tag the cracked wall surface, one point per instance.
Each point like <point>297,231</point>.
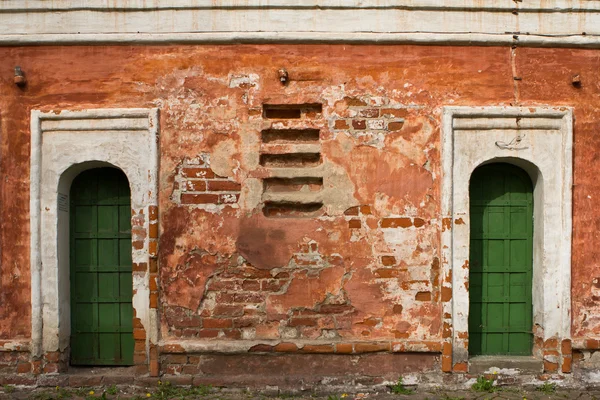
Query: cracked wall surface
<point>361,275</point>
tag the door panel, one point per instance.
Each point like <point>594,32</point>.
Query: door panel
<point>101,280</point>
<point>501,214</point>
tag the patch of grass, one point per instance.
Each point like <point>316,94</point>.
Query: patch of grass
<point>167,391</point>
<point>484,385</point>
<point>547,388</point>
<point>8,388</point>
<point>62,393</point>
<point>399,388</point>
<point>45,395</point>
<point>112,389</point>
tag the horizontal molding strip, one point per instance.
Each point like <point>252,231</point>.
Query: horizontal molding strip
<point>120,5</point>
<point>571,41</point>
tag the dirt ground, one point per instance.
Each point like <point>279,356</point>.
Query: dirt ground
<point>165,391</point>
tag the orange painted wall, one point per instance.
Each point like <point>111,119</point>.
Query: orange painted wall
<point>347,287</point>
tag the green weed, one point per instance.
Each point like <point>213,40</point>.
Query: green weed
<point>399,388</point>
<point>484,385</point>
<point>547,388</point>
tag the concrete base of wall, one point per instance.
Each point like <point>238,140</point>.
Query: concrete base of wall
<point>505,365</point>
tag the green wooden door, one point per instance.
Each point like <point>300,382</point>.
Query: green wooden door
<point>101,279</point>
<point>500,314</point>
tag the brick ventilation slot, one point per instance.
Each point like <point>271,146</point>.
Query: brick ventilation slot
<point>291,111</point>
<point>292,210</point>
<point>283,136</point>
<point>293,160</point>
<point>277,185</point>
<point>293,150</point>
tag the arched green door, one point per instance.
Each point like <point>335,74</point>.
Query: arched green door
<point>101,279</point>
<point>500,265</point>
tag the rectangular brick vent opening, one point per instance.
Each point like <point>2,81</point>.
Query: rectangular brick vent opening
<point>278,185</point>
<point>292,210</point>
<point>291,111</point>
<point>290,160</point>
<point>290,136</point>
<point>292,191</point>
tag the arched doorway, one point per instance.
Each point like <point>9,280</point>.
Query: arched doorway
<point>100,269</point>
<point>500,261</point>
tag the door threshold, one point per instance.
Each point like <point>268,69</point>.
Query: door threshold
<point>505,364</point>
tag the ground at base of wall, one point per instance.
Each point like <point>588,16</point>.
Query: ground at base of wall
<point>205,392</point>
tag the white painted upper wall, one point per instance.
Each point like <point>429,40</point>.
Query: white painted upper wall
<point>534,22</point>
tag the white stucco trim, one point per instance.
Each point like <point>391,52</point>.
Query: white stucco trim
<point>63,144</point>
<point>469,137</point>
<point>436,38</point>
<point>494,22</point>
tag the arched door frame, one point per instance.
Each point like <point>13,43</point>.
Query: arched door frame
<point>539,140</point>
<point>63,144</point>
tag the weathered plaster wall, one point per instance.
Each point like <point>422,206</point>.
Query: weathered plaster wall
<point>364,275</point>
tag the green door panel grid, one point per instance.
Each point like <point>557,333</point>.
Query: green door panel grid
<point>101,276</point>
<point>500,261</point>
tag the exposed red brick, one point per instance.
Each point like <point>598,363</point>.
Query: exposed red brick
<point>201,198</point>
<point>423,296</point>
<point>206,333</point>
<point>228,198</point>
<point>446,294</point>
<point>368,113</point>
<point>216,323</point>
<point>551,343</point>
<point>172,348</point>
<point>354,224</point>
<point>261,348</point>
<point>251,285</point>
<point>228,310</point>
<point>461,367</point>
<point>153,265</point>
<point>352,211</point>
<point>195,185</point>
<point>371,347</point>
<point>550,366</point>
<point>365,210</point>
<point>303,322</point>
<point>335,308</point>
<point>387,273</point>
<point>286,348</point>
<point>317,348</point>
<point>340,124</point>
<point>397,309</point>
<point>395,126</point>
<point>139,334</point>
<point>396,223</point>
<point>394,112</point>
<point>566,365</point>
<point>224,186</point>
<point>388,260</point>
<point>23,367</point>
<point>139,267</point>
<point>446,364</point>
<point>193,172</point>
<point>418,222</point>
<point>565,347</point>
<point>359,124</point>
<point>344,348</point>
<point>153,213</point>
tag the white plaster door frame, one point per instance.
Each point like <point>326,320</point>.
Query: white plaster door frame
<point>473,136</point>
<point>63,144</point>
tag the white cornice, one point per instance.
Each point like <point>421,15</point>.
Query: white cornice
<point>572,23</point>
